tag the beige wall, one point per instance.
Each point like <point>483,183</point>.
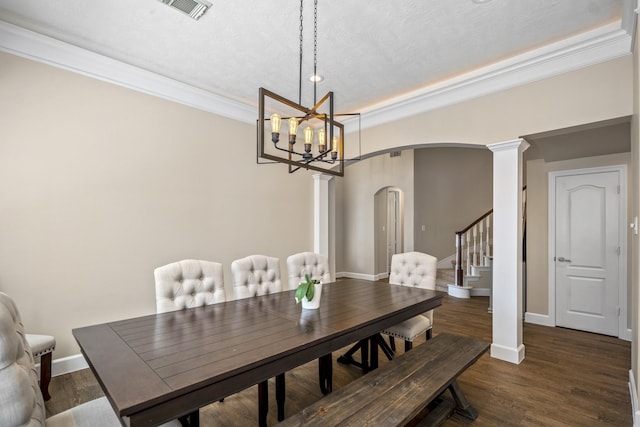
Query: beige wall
<point>356,253</point>
<point>453,188</point>
<point>100,184</point>
<point>537,220</point>
<point>587,95</point>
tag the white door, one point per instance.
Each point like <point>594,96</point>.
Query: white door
<point>587,251</point>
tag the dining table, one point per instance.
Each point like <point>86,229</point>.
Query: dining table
<point>164,366</point>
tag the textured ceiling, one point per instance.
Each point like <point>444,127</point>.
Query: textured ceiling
<point>370,52</point>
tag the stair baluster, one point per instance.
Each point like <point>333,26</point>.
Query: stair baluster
<point>464,257</point>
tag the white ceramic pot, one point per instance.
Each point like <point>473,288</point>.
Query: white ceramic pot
<point>315,301</point>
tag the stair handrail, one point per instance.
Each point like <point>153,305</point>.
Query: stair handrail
<point>459,271</point>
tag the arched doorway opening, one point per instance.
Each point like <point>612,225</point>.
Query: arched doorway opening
<point>389,227</point>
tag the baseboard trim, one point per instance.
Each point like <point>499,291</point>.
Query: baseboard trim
<point>66,365</point>
<point>372,277</point>
<point>508,354</point>
<point>538,319</point>
<point>480,292</point>
<point>633,393</point>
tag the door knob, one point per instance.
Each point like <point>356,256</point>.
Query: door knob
<point>563,259</point>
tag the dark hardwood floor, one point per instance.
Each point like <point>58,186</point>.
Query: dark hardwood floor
<point>568,378</point>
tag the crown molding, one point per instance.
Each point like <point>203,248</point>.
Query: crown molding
<point>31,45</point>
<point>599,45</point>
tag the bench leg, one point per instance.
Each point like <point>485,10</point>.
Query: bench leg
<point>325,373</point>
<point>280,394</point>
<point>263,403</point>
<point>463,407</point>
<point>45,375</point>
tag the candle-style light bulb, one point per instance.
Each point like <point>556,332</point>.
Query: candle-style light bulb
<point>293,130</point>
<point>308,135</point>
<point>322,146</point>
<point>275,123</point>
<point>334,148</point>
<point>275,127</point>
<point>308,138</point>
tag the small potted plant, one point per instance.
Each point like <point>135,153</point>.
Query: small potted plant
<point>309,292</point>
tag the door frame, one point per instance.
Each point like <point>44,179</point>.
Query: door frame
<point>623,331</point>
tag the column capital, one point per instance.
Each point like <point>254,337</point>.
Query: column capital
<point>519,143</point>
<point>322,177</point>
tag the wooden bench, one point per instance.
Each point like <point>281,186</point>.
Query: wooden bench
<point>396,393</point>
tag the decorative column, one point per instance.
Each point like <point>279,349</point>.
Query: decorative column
<point>324,219</point>
<point>507,250</point>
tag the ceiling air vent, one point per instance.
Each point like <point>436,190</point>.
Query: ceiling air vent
<point>395,154</point>
<point>193,8</point>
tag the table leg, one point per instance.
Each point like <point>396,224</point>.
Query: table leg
<point>280,395</point>
<point>191,420</point>
<point>373,362</point>
<point>325,373</point>
<point>263,403</point>
<point>364,355</point>
<point>348,359</point>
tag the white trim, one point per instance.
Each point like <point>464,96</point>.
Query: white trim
<point>538,319</point>
<point>599,45</point>
<point>31,45</point>
<point>463,292</point>
<point>590,48</point>
<point>362,276</point>
<point>513,355</point>
<point>67,365</point>
<point>480,292</point>
<point>633,392</point>
<point>623,331</point>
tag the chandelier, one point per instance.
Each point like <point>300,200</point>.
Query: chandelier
<point>322,148</point>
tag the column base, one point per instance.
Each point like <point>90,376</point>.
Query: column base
<point>460,291</point>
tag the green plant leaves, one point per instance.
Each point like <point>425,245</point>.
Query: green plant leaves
<point>306,289</point>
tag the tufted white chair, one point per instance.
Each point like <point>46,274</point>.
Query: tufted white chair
<point>188,283</point>
<point>255,275</point>
<point>419,270</point>
<point>21,402</point>
<point>316,265</point>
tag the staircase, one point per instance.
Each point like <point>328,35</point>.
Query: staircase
<point>472,265</point>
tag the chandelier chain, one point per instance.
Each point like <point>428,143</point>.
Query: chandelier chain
<point>300,71</point>
<point>315,48</point>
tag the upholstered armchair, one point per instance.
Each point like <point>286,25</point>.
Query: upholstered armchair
<point>256,275</point>
<point>21,402</point>
<point>303,263</point>
<point>188,283</point>
<point>419,270</point>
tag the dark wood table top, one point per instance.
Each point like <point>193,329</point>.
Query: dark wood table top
<point>158,367</point>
